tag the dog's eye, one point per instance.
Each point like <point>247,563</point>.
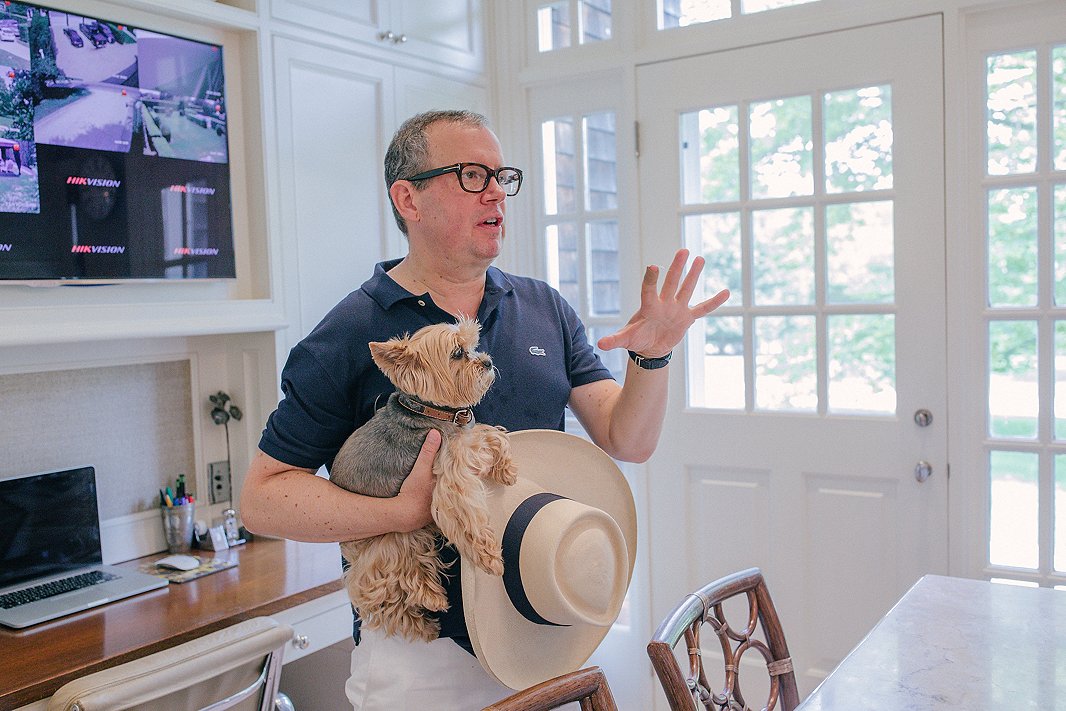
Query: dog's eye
<point>458,353</point>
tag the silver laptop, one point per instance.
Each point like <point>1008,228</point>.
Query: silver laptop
<point>50,555</point>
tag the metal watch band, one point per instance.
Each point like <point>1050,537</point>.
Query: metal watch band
<point>650,363</point>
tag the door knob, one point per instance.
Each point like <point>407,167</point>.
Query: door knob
<point>923,470</point>
<point>923,418</point>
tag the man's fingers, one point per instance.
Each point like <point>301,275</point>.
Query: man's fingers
<point>431,443</point>
<point>703,308</point>
<point>673,274</point>
<point>691,279</point>
<point>647,287</point>
<point>429,450</point>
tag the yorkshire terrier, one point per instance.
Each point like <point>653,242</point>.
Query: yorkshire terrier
<point>394,580</point>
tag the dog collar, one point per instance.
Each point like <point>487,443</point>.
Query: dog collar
<point>462,416</point>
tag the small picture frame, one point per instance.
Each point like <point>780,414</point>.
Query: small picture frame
<point>218,540</point>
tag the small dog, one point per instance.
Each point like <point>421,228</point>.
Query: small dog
<point>394,578</point>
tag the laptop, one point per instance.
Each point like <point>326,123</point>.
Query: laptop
<point>51,563</point>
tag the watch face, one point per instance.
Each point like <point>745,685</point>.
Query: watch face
<point>97,202</point>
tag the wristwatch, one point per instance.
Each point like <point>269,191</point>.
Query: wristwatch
<point>650,363</point>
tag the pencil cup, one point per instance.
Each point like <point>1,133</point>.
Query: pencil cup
<point>178,526</point>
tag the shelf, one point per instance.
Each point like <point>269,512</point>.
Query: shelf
<point>95,322</point>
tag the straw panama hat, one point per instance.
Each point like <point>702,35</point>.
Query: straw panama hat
<point>571,524</point>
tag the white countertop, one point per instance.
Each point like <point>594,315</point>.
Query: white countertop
<point>954,643</point>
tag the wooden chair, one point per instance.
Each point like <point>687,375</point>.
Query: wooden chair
<point>587,686</point>
<point>686,693</point>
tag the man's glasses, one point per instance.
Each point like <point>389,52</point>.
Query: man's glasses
<point>474,177</point>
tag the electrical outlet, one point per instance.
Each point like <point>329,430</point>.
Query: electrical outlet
<point>220,481</point>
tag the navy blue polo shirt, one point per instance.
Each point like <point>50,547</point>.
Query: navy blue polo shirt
<point>331,385</point>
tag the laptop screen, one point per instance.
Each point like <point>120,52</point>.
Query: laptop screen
<point>52,524</point>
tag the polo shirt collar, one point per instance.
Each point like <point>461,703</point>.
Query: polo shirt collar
<point>387,293</point>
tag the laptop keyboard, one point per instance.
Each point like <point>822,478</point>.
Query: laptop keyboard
<point>56,587</point>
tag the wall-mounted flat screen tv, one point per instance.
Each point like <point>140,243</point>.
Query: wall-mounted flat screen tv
<point>114,155</point>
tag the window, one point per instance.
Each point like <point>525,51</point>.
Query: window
<point>579,155</point>
<point>1025,322</point>
<point>681,13</point>
<point>556,29</point>
<point>790,202</point>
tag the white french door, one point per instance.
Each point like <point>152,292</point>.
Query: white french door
<point>805,411</point>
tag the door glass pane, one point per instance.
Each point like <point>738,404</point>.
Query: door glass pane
<point>783,256</point>
<point>1058,88</point>
<point>781,148</point>
<point>862,363</point>
<point>785,367</point>
<point>1012,247</point>
<point>553,26</point>
<point>724,363</point>
<point>1014,510</point>
<point>1060,380</point>
<point>560,173</point>
<point>603,267</point>
<point>769,257</point>
<point>860,255</point>
<point>710,155</point>
<point>563,265</point>
<point>600,161</point>
<point>1060,512</point>
<point>717,237</point>
<point>595,20</point>
<point>1059,219</point>
<point>858,140</point>
<point>1013,395</point>
<point>1011,112</point>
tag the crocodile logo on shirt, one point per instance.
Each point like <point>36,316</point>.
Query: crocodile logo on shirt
<point>537,351</point>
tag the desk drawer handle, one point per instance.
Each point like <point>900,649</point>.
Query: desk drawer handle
<point>301,641</point>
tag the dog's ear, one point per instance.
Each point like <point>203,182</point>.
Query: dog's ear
<point>391,355</point>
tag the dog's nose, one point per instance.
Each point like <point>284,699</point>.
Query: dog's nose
<point>486,361</point>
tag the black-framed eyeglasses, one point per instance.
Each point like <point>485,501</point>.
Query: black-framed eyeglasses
<point>474,177</point>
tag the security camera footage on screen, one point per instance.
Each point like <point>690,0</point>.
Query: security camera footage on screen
<point>113,151</point>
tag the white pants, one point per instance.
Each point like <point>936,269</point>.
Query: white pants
<point>392,674</point>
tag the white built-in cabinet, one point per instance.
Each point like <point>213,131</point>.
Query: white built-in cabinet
<point>446,32</point>
<point>337,110</point>
<point>314,95</point>
<point>315,89</point>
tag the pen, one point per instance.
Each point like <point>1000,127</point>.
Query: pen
<point>169,501</point>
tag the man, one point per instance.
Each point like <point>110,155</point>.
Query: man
<point>448,184</point>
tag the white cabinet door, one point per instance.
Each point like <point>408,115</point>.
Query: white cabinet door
<point>335,117</point>
<point>810,174</point>
<point>442,31</point>
<point>336,113</point>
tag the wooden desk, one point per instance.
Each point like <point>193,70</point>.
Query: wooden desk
<point>957,644</point>
<point>272,577</point>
